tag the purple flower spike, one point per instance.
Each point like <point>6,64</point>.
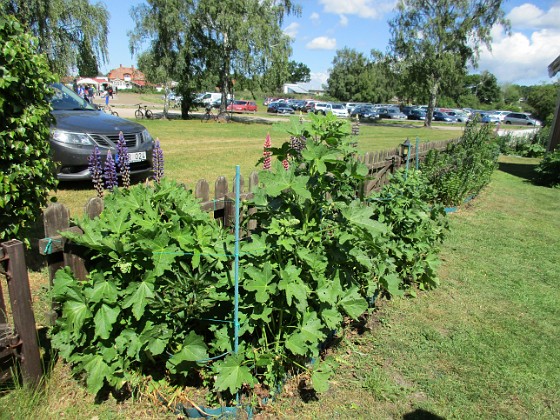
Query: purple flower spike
<point>122,160</point>
<point>111,180</point>
<point>94,161</point>
<point>158,161</point>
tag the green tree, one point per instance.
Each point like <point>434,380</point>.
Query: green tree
<point>355,77</point>
<point>211,42</point>
<point>488,90</point>
<point>86,61</point>
<point>511,94</point>
<point>26,166</point>
<point>299,72</point>
<point>61,27</point>
<point>437,38</point>
<point>542,99</point>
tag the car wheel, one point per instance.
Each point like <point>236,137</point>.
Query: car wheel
<point>508,122</point>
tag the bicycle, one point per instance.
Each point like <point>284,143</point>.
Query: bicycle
<point>222,116</point>
<point>140,113</point>
<point>108,109</point>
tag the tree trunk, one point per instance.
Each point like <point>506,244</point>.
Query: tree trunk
<point>431,104</point>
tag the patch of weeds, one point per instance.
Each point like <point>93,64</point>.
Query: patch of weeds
<point>382,387</point>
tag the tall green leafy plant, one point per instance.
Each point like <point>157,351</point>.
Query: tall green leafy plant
<point>464,168</point>
<point>27,172</point>
<point>158,269</point>
<point>308,265</point>
<point>416,229</point>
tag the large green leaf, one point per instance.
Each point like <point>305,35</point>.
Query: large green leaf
<point>262,282</point>
<point>104,319</point>
<point>97,371</point>
<point>76,312</point>
<point>193,351</point>
<point>139,293</point>
<point>293,286</point>
<point>353,303</point>
<point>231,374</point>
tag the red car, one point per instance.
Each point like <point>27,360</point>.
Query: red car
<point>242,106</point>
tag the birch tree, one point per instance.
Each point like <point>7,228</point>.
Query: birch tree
<point>436,39</point>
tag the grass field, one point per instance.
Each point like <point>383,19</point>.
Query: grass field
<point>194,150</point>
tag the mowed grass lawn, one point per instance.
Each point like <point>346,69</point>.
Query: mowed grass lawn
<point>195,150</point>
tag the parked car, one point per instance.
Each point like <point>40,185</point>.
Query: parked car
<point>322,108</point>
<point>339,110</point>
<point>519,118</point>
<point>279,108</point>
<point>417,114</point>
<point>392,113</point>
<point>242,106</point>
<point>489,119</point>
<point>442,116</point>
<point>365,113</point>
<point>79,127</point>
<point>459,116</point>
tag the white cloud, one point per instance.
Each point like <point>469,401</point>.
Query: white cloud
<point>292,29</point>
<point>343,20</point>
<point>322,43</point>
<point>521,57</point>
<point>371,9</point>
<point>315,18</point>
<point>318,79</point>
<point>530,16</point>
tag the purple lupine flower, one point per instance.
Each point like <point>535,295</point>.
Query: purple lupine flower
<point>123,163</point>
<point>267,153</point>
<point>111,180</point>
<point>96,171</point>
<point>157,159</point>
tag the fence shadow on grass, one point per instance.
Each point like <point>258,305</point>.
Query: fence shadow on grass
<point>521,170</point>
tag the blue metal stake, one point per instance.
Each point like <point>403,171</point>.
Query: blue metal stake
<point>417,152</point>
<point>236,264</point>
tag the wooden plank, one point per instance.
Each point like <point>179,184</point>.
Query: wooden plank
<point>94,207</point>
<point>22,310</point>
<point>202,190</point>
<point>56,217</point>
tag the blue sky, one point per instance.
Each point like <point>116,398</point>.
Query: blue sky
<point>326,26</point>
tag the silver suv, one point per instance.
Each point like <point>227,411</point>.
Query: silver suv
<point>519,118</point>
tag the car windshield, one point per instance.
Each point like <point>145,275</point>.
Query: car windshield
<point>64,99</point>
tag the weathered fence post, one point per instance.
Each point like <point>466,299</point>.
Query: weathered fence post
<point>13,255</point>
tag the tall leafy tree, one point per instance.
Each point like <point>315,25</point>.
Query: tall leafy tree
<point>86,61</point>
<point>437,38</point>
<point>299,72</point>
<point>355,77</point>
<point>213,42</point>
<point>62,27</point>
<point>542,99</point>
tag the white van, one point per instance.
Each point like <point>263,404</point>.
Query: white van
<point>209,97</point>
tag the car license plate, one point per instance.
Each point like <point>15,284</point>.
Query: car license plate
<point>136,157</point>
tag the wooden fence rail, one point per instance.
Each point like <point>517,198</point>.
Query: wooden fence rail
<point>18,343</point>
